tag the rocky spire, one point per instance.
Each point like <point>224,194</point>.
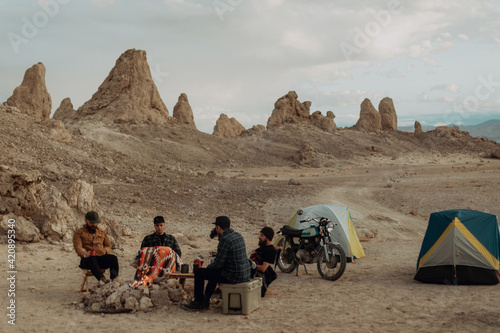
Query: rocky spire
<point>65,110</point>
<point>183,113</point>
<point>418,128</point>
<point>31,96</point>
<point>389,118</point>
<point>369,118</point>
<point>128,94</point>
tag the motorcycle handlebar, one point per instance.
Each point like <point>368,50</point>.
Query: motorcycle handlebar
<point>321,219</point>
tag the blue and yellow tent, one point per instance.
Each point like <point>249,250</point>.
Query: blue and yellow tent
<point>460,247</point>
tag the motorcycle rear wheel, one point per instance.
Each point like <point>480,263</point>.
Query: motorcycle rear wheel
<point>286,260</point>
<point>333,268</point>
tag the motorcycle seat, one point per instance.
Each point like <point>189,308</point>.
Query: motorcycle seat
<point>291,231</point>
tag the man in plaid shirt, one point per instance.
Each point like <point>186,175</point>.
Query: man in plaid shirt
<point>231,265</point>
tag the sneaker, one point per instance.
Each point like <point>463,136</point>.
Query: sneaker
<point>194,305</point>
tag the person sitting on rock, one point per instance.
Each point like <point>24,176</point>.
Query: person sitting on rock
<point>158,238</point>
<point>264,256</point>
<point>92,244</point>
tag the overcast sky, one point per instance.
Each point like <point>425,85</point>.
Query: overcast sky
<point>438,60</point>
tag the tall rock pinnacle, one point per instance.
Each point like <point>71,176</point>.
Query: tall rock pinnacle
<point>183,112</point>
<point>128,94</point>
<point>31,96</point>
<point>369,118</point>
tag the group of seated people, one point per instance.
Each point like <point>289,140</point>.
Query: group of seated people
<point>160,255</point>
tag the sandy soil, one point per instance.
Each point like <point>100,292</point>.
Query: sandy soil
<point>390,202</point>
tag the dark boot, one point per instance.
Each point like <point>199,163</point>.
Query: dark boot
<point>194,305</point>
<point>206,302</point>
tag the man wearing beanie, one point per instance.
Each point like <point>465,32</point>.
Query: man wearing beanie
<point>231,265</point>
<point>264,257</point>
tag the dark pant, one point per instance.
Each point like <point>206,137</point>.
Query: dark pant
<point>96,263</point>
<point>213,276</point>
<point>267,278</point>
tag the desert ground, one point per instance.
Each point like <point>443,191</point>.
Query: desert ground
<point>390,204</point>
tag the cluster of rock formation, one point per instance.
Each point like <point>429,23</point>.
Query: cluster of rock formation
<point>129,94</point>
<point>371,120</point>
<point>40,210</point>
<point>288,109</point>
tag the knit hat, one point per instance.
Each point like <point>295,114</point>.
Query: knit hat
<point>268,232</point>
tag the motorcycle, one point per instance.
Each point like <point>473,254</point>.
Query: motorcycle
<point>315,245</point>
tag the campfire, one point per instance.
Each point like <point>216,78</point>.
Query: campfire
<point>146,281</point>
<point>142,295</point>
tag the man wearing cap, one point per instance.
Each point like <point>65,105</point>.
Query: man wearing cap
<point>264,257</point>
<point>92,244</point>
<point>231,265</point>
<point>158,238</point>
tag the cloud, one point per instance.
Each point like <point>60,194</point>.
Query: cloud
<point>301,41</point>
<point>446,99</point>
<point>451,87</point>
<point>423,97</point>
<point>463,37</point>
<point>430,62</point>
<point>101,3</point>
<point>344,98</point>
<point>392,73</point>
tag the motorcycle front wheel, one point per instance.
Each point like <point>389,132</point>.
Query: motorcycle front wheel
<point>286,259</point>
<point>333,267</point>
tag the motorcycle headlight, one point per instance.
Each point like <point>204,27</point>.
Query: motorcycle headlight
<point>329,227</point>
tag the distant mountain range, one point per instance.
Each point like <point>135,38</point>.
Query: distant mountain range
<point>489,129</point>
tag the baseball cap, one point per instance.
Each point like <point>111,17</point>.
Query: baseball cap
<point>92,217</point>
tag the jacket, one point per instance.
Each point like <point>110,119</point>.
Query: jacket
<point>231,258</point>
<point>84,241</point>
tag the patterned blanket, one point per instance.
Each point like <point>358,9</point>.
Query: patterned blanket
<point>156,261</point>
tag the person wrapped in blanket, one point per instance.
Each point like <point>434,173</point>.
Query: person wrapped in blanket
<point>157,238</point>
<point>155,262</point>
<point>264,256</point>
<point>159,253</point>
